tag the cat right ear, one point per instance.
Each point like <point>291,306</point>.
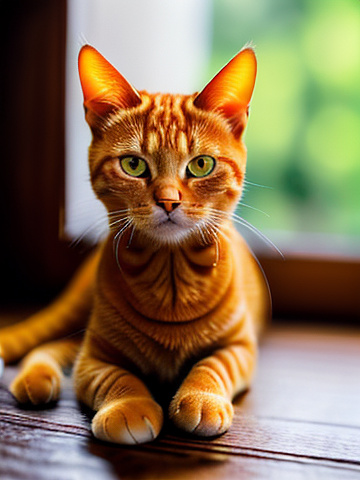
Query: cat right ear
<point>105,89</point>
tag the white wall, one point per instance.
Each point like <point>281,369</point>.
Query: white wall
<point>158,45</point>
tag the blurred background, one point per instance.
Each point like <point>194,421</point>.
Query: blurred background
<point>303,137</point>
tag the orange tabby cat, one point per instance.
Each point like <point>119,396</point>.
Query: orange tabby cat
<point>173,300</point>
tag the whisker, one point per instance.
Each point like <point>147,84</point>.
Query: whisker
<point>117,212</point>
<point>116,222</point>
<point>217,245</point>
<point>131,236</point>
<point>86,232</point>
<point>241,221</point>
<point>198,227</point>
<point>253,208</point>
<point>257,185</point>
<point>218,229</point>
<point>122,229</point>
<point>251,227</point>
<point>116,241</point>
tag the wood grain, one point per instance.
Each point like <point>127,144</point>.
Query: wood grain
<point>300,420</point>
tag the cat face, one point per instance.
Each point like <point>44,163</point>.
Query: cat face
<point>169,166</point>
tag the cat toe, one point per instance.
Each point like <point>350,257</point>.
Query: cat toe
<point>201,413</point>
<point>128,421</point>
<point>37,385</point>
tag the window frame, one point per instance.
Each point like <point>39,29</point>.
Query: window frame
<point>305,285</point>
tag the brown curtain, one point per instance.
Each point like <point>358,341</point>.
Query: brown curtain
<point>35,263</point>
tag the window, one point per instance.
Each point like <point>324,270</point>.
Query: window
<point>303,137</point>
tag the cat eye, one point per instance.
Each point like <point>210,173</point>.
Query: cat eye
<point>135,166</point>
<point>200,166</point>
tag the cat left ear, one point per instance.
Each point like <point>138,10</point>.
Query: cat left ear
<point>230,91</point>
<point>104,88</point>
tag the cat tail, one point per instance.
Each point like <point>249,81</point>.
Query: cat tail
<point>67,315</point>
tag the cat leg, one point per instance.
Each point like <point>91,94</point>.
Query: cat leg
<point>40,377</point>
<point>68,314</point>
<point>202,405</point>
<point>126,411</point>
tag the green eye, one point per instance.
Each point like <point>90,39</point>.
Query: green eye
<point>134,166</point>
<point>200,166</point>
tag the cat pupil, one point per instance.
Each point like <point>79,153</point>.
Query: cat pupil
<point>134,163</point>
<point>201,163</point>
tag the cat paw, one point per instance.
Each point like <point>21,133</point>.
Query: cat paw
<point>128,421</point>
<point>37,384</point>
<point>201,413</point>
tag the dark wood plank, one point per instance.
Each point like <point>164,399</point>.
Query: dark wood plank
<point>40,454</point>
<point>300,419</point>
<point>308,373</point>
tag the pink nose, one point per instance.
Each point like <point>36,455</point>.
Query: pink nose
<point>168,198</point>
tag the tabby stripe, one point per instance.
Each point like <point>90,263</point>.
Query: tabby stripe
<point>238,173</point>
<point>245,361</point>
<point>217,381</point>
<point>101,384</point>
<point>228,370</point>
<point>228,359</point>
<point>217,367</point>
<point>166,123</point>
<point>95,172</point>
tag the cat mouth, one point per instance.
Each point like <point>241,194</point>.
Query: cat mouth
<point>171,228</point>
<point>168,223</point>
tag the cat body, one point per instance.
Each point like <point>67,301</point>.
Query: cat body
<point>173,300</point>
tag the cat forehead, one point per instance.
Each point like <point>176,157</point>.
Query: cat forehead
<point>166,124</point>
<point>163,122</point>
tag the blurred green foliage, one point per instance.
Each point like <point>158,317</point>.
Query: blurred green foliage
<point>303,137</point>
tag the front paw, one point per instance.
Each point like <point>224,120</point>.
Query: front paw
<point>37,384</point>
<point>201,413</point>
<point>128,421</point>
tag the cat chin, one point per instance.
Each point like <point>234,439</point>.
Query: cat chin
<point>170,235</point>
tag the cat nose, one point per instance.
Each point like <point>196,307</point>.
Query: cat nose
<point>167,205</point>
<point>168,198</point>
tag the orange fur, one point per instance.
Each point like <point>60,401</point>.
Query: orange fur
<point>177,298</point>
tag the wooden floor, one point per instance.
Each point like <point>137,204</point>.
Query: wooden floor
<point>300,420</point>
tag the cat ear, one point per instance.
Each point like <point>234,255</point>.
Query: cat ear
<point>104,88</point>
<point>230,91</point>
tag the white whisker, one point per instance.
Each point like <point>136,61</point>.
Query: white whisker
<point>253,208</point>
<point>257,185</point>
<point>213,229</point>
<point>217,227</point>
<point>131,236</point>
<point>87,231</point>
<point>116,222</point>
<point>117,238</point>
<point>241,221</point>
<point>117,212</point>
<point>251,227</point>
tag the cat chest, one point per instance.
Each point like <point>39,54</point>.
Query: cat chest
<point>164,349</point>
<point>171,288</point>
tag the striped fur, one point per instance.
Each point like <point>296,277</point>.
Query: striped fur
<point>172,309</point>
